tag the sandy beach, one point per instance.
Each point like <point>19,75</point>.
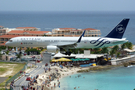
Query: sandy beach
<point>50,79</point>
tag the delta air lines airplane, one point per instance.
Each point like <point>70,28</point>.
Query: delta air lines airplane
<point>55,43</point>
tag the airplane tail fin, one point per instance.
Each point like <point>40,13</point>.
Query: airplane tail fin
<point>119,30</point>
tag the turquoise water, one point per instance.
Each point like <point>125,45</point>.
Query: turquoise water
<point>116,79</point>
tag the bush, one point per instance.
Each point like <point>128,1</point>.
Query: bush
<point>126,64</point>
<point>9,76</point>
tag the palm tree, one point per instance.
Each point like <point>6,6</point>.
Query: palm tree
<point>96,50</point>
<point>116,47</point>
<point>129,45</point>
<point>104,50</point>
<point>123,46</point>
<point>114,50</point>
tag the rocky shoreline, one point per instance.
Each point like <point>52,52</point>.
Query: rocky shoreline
<point>106,67</point>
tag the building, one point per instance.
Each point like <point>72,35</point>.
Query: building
<point>73,32</point>
<point>28,33</point>
<point>2,30</point>
<point>90,32</point>
<point>17,33</point>
<point>28,28</point>
<point>8,33</point>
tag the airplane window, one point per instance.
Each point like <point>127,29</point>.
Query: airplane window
<point>10,40</point>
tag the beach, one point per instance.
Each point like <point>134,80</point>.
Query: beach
<point>54,77</point>
<point>50,78</point>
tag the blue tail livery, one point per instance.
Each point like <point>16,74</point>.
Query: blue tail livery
<point>119,30</point>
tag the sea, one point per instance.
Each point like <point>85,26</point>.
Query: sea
<point>46,21</point>
<point>122,78</point>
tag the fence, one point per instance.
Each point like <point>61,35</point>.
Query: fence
<point>17,75</point>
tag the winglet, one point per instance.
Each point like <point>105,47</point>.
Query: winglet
<point>79,40</point>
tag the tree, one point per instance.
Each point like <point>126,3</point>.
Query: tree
<point>118,54</point>
<point>96,50</point>
<point>129,45</point>
<point>7,52</point>
<point>32,50</point>
<point>123,46</point>
<point>114,50</point>
<point>19,55</point>
<point>2,47</point>
<point>116,47</point>
<point>104,50</point>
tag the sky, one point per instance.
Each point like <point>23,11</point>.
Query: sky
<point>67,5</point>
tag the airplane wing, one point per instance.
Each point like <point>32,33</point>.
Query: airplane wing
<point>72,45</point>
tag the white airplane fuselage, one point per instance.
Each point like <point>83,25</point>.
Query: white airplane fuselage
<point>86,42</point>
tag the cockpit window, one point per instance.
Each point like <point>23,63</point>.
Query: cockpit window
<point>10,40</point>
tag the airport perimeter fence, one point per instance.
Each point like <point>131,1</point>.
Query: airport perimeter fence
<point>16,76</point>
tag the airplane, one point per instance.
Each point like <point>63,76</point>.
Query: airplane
<point>58,43</point>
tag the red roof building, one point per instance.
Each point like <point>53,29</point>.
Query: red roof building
<point>28,28</point>
<point>17,33</point>
<point>73,32</point>
<point>32,31</point>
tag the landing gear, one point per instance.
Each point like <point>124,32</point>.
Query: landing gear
<point>65,51</point>
<point>68,53</point>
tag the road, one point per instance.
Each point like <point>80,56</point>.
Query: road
<point>38,70</point>
<point>22,81</point>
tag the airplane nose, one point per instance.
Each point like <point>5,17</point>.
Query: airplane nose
<point>7,43</point>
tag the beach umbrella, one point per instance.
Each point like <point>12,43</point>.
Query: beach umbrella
<point>54,60</point>
<point>86,59</point>
<point>73,59</point>
<point>64,60</point>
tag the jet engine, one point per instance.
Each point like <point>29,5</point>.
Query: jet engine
<point>52,48</point>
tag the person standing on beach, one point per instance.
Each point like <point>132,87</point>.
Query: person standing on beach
<point>54,85</point>
<point>59,84</point>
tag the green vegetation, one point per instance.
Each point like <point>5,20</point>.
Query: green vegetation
<point>2,47</point>
<point>3,70</point>
<point>104,50</point>
<point>32,50</point>
<point>128,45</point>
<point>76,51</point>
<point>114,51</point>
<point>3,89</point>
<point>19,55</point>
<point>16,67</point>
<point>7,52</point>
<point>9,65</point>
<point>9,48</point>
<point>2,85</point>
